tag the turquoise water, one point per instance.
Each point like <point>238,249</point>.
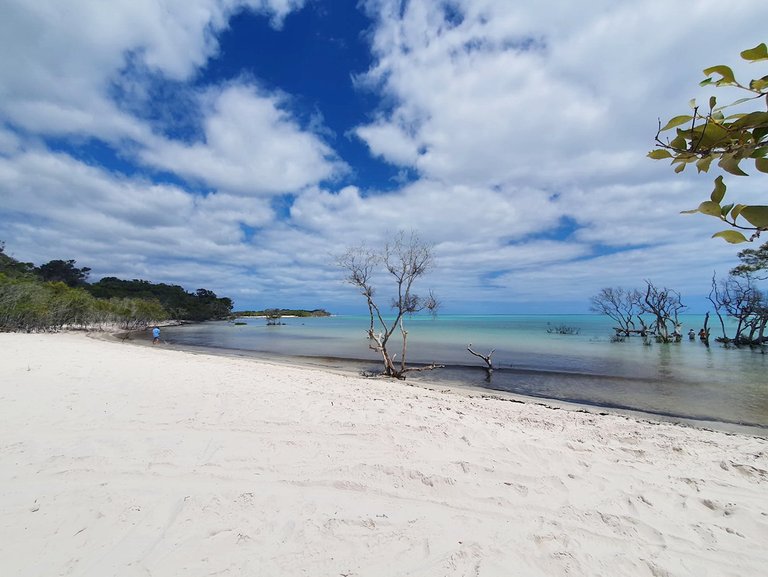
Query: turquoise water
<point>686,379</point>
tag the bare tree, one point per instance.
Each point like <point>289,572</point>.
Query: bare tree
<point>487,358</point>
<point>273,316</point>
<point>717,298</point>
<point>406,259</point>
<point>665,305</point>
<point>741,300</point>
<point>621,305</point>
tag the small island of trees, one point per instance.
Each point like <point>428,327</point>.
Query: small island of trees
<point>283,313</point>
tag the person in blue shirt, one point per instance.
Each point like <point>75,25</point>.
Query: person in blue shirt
<point>155,335</point>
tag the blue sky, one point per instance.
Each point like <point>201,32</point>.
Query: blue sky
<point>238,145</point>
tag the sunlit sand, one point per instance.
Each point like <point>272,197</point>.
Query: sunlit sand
<point>124,460</point>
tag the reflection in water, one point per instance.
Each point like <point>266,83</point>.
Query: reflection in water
<point>665,361</point>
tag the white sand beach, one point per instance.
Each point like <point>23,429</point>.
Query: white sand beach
<point>118,459</point>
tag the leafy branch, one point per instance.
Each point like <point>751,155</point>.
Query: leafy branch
<point>730,139</point>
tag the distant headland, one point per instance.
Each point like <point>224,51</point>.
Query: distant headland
<point>283,313</point>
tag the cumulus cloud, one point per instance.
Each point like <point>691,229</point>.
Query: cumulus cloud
<point>251,146</point>
<point>491,92</point>
<point>438,211</point>
<point>59,58</point>
<point>112,222</point>
<point>526,128</point>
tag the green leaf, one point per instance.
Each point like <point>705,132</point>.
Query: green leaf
<point>677,121</point>
<point>759,83</point>
<point>737,211</point>
<point>756,215</point>
<point>739,101</point>
<point>703,164</point>
<point>725,210</point>
<point>731,164</point>
<point>712,102</point>
<point>719,192</point>
<point>692,103</point>
<point>709,208</point>
<point>752,120</point>
<point>724,71</point>
<point>761,164</point>
<point>659,154</point>
<point>680,168</point>
<point>679,142</point>
<point>759,52</point>
<point>710,134</point>
<point>706,81</point>
<point>732,236</point>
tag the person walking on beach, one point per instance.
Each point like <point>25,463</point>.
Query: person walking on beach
<point>155,335</point>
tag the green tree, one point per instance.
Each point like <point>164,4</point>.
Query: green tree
<point>708,134</point>
<point>753,261</point>
<point>64,271</point>
<point>57,295</point>
<point>12,267</point>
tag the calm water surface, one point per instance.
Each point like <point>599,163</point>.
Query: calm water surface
<point>686,380</point>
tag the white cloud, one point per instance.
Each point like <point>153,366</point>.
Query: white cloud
<point>57,59</point>
<point>108,221</point>
<point>437,210</point>
<point>527,126</point>
<point>390,142</point>
<point>251,146</point>
<point>544,94</point>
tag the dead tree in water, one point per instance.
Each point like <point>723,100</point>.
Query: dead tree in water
<point>664,304</point>
<point>739,298</point>
<point>486,358</point>
<point>621,305</point>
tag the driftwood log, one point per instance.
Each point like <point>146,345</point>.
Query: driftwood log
<point>486,358</point>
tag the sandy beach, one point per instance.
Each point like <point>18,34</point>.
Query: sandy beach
<point>127,460</point>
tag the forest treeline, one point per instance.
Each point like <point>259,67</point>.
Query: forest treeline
<point>57,294</point>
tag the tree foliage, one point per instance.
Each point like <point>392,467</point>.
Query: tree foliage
<point>405,259</point>
<point>201,305</point>
<point>734,140</point>
<point>63,271</point>
<point>29,305</point>
<point>753,262</point>
<point>11,267</point>
<point>57,295</point>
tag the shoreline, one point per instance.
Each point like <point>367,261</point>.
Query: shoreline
<point>125,460</point>
<point>352,367</point>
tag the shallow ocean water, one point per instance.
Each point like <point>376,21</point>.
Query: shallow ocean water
<point>686,380</point>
